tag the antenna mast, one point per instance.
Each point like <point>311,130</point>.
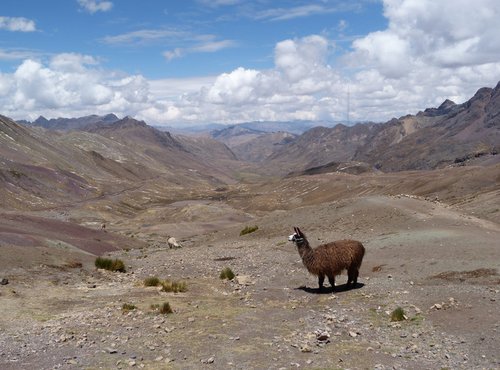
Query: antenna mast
<point>348,104</point>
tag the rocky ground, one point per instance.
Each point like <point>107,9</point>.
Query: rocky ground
<point>436,263</point>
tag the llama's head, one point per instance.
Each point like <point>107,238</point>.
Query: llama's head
<point>298,237</point>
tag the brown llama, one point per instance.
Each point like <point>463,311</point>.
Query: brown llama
<point>330,259</point>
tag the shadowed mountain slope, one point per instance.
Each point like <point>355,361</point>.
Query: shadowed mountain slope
<point>438,137</point>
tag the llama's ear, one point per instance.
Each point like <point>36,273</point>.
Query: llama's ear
<point>299,233</point>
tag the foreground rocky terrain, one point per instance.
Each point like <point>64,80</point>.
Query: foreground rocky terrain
<point>434,261</point>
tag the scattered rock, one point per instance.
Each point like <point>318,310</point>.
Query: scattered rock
<point>209,360</point>
<point>244,280</point>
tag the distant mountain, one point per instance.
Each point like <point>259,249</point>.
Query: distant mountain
<point>66,124</point>
<point>293,127</point>
<point>41,168</point>
<point>320,146</point>
<point>250,144</point>
<point>438,137</point>
<point>451,134</point>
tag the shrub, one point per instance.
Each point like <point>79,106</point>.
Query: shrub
<point>109,264</point>
<point>227,273</point>
<point>398,314</point>
<point>128,307</point>
<point>151,281</point>
<point>173,286</point>
<point>248,230</point>
<point>164,309</point>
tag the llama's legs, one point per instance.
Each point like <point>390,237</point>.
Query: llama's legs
<point>352,274</point>
<point>321,280</point>
<point>331,279</point>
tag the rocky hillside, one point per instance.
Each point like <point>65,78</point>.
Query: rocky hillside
<point>41,168</point>
<point>72,123</point>
<point>437,137</point>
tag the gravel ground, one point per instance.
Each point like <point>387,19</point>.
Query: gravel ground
<point>436,263</point>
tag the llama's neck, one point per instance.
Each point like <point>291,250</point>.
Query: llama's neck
<point>304,248</point>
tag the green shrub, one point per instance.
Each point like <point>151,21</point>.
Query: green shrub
<point>109,264</point>
<point>398,314</point>
<point>173,286</point>
<point>152,281</point>
<point>164,309</point>
<point>227,273</point>
<point>248,230</point>
<point>128,307</point>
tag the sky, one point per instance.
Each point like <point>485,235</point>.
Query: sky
<point>192,62</point>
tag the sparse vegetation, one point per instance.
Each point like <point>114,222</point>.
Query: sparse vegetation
<point>398,314</point>
<point>109,264</point>
<point>128,307</point>
<point>173,286</point>
<point>248,230</point>
<point>16,174</point>
<point>163,309</point>
<point>152,281</point>
<point>227,273</point>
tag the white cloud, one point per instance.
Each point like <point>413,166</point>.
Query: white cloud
<point>16,54</point>
<point>173,54</point>
<point>18,24</point>
<point>143,36</point>
<point>429,52</point>
<point>283,14</point>
<point>205,47</point>
<point>93,6</point>
<point>217,3</point>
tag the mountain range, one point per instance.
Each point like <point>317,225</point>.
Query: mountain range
<point>79,158</point>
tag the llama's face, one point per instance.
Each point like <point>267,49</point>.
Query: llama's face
<point>297,236</point>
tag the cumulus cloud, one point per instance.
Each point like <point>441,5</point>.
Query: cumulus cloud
<point>430,51</point>
<point>69,85</point>
<point>94,6</point>
<point>17,24</point>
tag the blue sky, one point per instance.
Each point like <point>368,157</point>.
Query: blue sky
<point>200,61</point>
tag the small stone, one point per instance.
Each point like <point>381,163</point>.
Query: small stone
<point>4,281</point>
<point>209,360</point>
<point>353,334</point>
<point>323,336</point>
<point>305,349</point>
<point>159,358</point>
<point>244,280</point>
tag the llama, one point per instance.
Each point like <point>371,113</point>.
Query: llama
<point>330,259</point>
<point>172,243</point>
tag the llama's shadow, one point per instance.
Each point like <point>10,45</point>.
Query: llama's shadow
<point>329,290</point>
